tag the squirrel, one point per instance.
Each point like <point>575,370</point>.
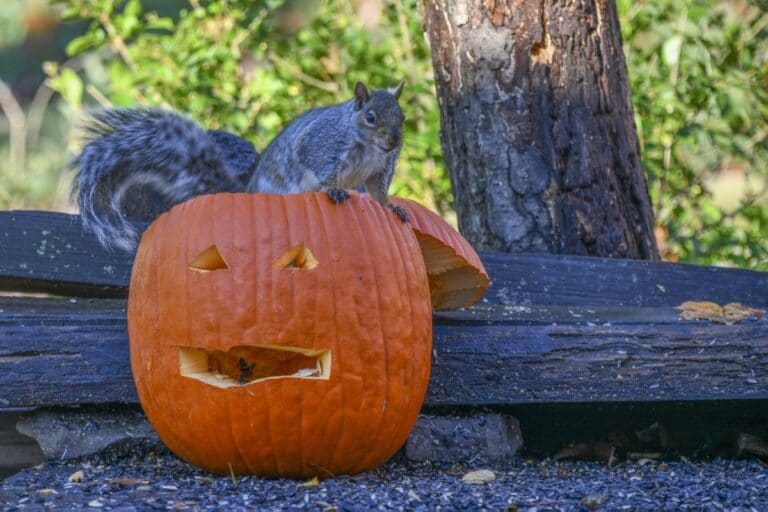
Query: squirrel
<point>139,162</point>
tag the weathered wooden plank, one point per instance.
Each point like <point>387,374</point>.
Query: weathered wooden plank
<point>74,351</point>
<point>574,280</point>
<point>49,252</point>
<point>58,351</point>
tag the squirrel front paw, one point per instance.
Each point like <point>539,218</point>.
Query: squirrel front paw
<point>399,211</point>
<point>337,195</point>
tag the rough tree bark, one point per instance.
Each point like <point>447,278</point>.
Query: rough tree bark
<point>537,126</point>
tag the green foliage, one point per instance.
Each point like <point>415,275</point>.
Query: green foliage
<point>250,67</point>
<point>11,31</point>
<point>37,182</point>
<point>698,71</point>
<point>699,77</point>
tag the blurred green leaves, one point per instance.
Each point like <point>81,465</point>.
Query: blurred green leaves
<point>698,72</point>
<point>67,83</point>
<point>699,78</point>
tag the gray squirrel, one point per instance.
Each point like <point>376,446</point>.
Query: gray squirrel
<point>138,163</point>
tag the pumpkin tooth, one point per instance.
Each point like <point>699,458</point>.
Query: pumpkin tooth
<point>297,257</point>
<point>209,260</point>
<point>248,364</point>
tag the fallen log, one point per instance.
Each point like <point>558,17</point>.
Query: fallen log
<point>75,351</point>
<point>49,252</point>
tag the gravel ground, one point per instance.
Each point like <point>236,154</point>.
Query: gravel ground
<point>152,479</point>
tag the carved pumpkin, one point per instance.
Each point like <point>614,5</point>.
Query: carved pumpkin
<point>280,335</point>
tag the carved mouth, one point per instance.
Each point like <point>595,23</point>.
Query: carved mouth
<point>248,364</point>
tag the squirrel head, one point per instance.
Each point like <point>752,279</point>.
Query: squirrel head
<point>379,116</point>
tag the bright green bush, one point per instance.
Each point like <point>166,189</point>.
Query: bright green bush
<point>699,78</point>
<point>698,71</point>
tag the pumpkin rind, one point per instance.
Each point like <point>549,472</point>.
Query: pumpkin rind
<point>457,277</point>
<point>367,300</point>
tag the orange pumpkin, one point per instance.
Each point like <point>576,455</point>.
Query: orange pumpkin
<point>280,335</point>
<point>457,277</point>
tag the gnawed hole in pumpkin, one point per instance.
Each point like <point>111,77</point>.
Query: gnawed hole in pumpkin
<point>208,260</point>
<point>297,257</point>
<point>453,283</point>
<point>244,364</point>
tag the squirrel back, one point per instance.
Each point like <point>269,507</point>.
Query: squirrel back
<point>138,163</point>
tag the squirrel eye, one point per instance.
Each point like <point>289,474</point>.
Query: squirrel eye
<point>370,117</point>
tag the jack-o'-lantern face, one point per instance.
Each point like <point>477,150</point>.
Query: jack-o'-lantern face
<point>280,335</point>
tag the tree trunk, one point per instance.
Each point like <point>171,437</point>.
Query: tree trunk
<point>537,127</point>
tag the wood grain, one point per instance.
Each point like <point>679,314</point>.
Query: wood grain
<point>75,351</point>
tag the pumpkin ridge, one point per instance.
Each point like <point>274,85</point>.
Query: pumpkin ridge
<point>296,328</point>
<point>415,364</point>
<point>307,205</point>
<point>294,322</point>
<point>138,287</point>
<point>340,432</point>
<point>336,352</point>
<point>154,355</point>
<point>360,222</point>
<point>226,203</point>
<point>257,211</point>
<point>373,223</point>
<point>277,410</point>
<point>405,289</point>
<point>198,311</point>
<point>211,311</point>
<point>407,264</point>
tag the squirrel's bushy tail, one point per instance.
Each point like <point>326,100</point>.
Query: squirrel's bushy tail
<point>136,164</point>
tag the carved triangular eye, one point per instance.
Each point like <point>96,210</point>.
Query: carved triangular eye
<point>208,260</point>
<point>297,257</point>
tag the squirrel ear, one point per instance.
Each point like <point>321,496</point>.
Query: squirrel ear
<point>395,91</point>
<point>362,95</point>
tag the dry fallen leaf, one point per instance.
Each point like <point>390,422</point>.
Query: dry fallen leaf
<point>480,476</point>
<point>730,313</point>
<point>76,477</point>
<point>413,496</point>
<point>701,310</point>
<point>312,482</point>
<point>735,312</point>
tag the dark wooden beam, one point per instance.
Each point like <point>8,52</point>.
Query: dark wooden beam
<point>63,351</point>
<point>49,252</point>
<point>75,351</point>
<point>520,279</point>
